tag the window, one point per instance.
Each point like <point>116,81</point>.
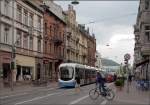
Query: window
<point>147,27</point>
<point>19,13</point>
<point>45,28</point>
<point>39,45</point>
<point>25,40</point>
<point>63,36</point>
<point>146,4</point>
<point>45,46</point>
<point>147,34</point>
<point>66,73</point>
<point>63,53</point>
<point>6,34</point>
<point>39,23</point>
<point>25,17</point>
<point>30,19</point>
<point>60,50</point>
<point>31,43</point>
<point>50,30</point>
<point>6,7</point>
<point>50,46</point>
<point>55,49</point>
<point>18,38</point>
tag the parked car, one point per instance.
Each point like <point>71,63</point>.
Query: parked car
<point>109,78</point>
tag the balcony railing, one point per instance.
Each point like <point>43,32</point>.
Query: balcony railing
<point>57,41</point>
<point>69,34</point>
<point>146,49</point>
<point>60,57</point>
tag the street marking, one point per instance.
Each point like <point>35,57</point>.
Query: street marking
<point>12,95</point>
<point>36,98</point>
<point>78,100</point>
<point>46,89</point>
<point>104,102</point>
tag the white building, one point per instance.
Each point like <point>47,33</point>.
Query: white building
<point>21,24</point>
<point>98,62</point>
<point>142,41</point>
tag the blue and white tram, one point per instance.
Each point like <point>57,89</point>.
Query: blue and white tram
<point>69,71</point>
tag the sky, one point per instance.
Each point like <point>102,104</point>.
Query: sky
<point>112,25</point>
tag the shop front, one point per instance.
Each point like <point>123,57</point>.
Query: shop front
<point>5,71</point>
<point>25,68</point>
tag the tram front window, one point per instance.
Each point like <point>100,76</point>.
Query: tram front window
<point>66,73</point>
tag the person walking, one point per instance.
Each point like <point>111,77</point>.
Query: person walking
<point>77,86</point>
<point>115,77</point>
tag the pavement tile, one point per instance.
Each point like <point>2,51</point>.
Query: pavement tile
<point>134,96</point>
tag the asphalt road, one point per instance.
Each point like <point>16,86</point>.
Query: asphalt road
<point>52,96</point>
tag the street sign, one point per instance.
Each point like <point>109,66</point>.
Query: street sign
<point>127,56</point>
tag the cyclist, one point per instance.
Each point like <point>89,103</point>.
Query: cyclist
<point>101,82</point>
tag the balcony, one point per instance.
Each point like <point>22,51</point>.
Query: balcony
<point>69,34</point>
<point>69,61</point>
<point>146,49</point>
<point>60,57</point>
<point>68,48</point>
<point>57,41</point>
<point>84,55</point>
<point>145,17</point>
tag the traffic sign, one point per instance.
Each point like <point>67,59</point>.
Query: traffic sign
<point>127,56</point>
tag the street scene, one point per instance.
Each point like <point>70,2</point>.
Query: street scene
<point>74,52</point>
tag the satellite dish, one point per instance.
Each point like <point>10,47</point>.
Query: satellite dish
<point>75,2</point>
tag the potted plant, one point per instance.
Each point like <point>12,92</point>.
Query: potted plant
<point>119,83</point>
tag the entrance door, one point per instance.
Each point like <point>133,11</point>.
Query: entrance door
<point>18,72</point>
<point>38,71</point>
<point>6,72</point>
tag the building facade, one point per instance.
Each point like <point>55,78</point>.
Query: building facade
<point>54,39</point>
<point>21,25</point>
<point>91,50</point>
<point>80,45</point>
<point>40,36</point>
<point>83,44</point>
<point>142,41</point>
<point>72,39</point>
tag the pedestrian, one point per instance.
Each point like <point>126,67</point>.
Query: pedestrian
<point>130,79</point>
<point>115,77</point>
<point>77,86</point>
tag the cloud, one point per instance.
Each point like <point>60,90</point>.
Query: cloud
<point>120,37</point>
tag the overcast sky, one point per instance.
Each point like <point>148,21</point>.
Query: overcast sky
<point>113,25</point>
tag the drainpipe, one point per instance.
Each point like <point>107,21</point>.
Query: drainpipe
<point>13,50</point>
<point>0,23</point>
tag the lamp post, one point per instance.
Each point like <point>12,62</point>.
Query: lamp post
<point>75,2</point>
<point>126,59</point>
<point>13,55</point>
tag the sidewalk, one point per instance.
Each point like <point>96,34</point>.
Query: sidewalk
<point>26,88</point>
<point>134,96</point>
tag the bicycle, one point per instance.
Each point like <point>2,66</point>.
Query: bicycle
<point>94,93</point>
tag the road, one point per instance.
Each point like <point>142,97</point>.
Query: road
<point>52,96</point>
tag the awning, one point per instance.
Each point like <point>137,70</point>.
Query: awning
<point>141,63</point>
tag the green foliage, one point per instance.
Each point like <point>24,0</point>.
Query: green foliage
<point>119,82</point>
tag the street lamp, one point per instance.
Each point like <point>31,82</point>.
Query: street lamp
<point>75,2</point>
